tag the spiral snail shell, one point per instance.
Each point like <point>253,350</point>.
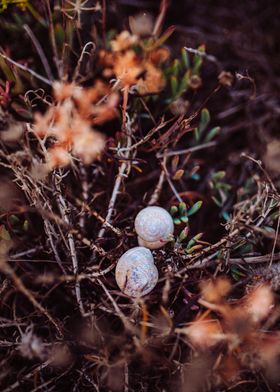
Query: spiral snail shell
<point>153,225</point>
<point>136,273</point>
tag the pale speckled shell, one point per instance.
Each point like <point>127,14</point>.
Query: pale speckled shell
<point>136,273</point>
<point>154,225</point>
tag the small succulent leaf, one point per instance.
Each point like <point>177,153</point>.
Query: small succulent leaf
<point>184,219</point>
<point>184,83</point>
<point>194,248</point>
<point>212,133</point>
<point>198,60</point>
<point>185,59</point>
<point>218,175</point>
<point>168,32</point>
<point>196,134</point>
<point>25,225</point>
<point>173,210</point>
<point>174,85</point>
<point>182,208</point>
<point>198,236</point>
<point>179,174</point>
<point>176,67</point>
<point>184,234</point>
<point>204,120</point>
<point>190,244</point>
<point>195,208</point>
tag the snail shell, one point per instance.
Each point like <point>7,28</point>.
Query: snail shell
<point>136,273</point>
<point>153,225</point>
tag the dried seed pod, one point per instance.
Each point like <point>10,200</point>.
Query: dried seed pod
<point>153,225</point>
<point>136,273</point>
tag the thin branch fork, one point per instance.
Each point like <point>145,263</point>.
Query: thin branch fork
<point>124,167</point>
<point>63,210</point>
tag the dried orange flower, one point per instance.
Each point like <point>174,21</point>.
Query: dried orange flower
<point>128,68</point>
<point>159,55</point>
<point>204,333</point>
<point>69,121</point>
<point>259,303</point>
<point>123,41</point>
<point>140,69</point>
<point>58,157</point>
<point>89,147</point>
<point>215,291</point>
<point>153,80</point>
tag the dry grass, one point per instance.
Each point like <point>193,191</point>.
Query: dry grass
<point>138,116</point>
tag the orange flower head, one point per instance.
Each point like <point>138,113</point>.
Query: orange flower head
<point>128,68</point>
<point>123,41</point>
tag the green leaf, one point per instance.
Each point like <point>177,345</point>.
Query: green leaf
<point>196,134</point>
<point>185,59</point>
<point>173,210</point>
<point>193,248</point>
<point>177,221</point>
<point>184,219</point>
<point>184,83</point>
<point>212,133</point>
<point>204,120</point>
<point>182,208</point>
<point>218,175</point>
<point>174,85</point>
<point>25,225</point>
<point>198,60</point>
<point>183,235</point>
<point>176,67</point>
<point>190,244</point>
<point>163,38</point>
<point>198,236</point>
<point>195,208</point>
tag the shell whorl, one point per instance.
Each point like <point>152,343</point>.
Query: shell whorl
<point>154,224</point>
<point>136,273</point>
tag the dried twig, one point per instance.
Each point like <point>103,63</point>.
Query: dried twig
<point>187,150</point>
<point>40,52</point>
<point>63,210</point>
<point>26,69</point>
<point>9,272</point>
<point>123,172</point>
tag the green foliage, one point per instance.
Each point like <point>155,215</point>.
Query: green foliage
<point>220,190</point>
<point>193,245</point>
<point>199,131</point>
<point>193,210</point>
<point>181,214</point>
<point>180,72</point>
<point>198,60</point>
